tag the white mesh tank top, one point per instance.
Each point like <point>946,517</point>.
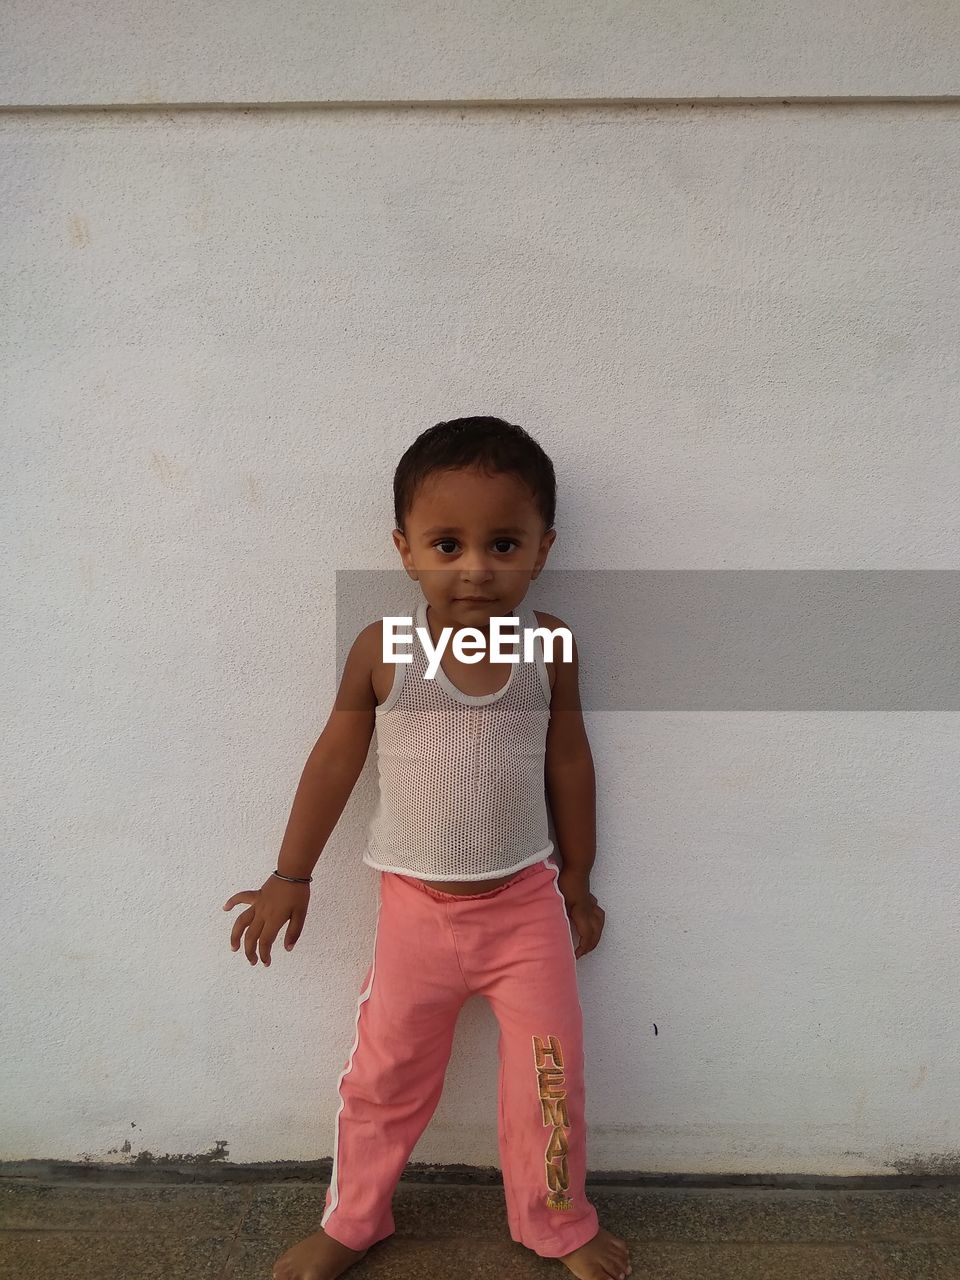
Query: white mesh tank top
<point>462,794</point>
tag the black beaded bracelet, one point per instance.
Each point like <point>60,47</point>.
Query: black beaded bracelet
<point>294,879</point>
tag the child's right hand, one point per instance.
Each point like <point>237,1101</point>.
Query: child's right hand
<point>272,905</point>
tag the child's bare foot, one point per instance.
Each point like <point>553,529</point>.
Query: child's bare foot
<point>318,1257</point>
<point>605,1257</point>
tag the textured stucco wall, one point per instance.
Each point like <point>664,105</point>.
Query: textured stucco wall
<point>734,329</point>
<point>367,51</point>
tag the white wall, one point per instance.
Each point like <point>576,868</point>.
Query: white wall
<point>734,330</point>
<point>232,51</point>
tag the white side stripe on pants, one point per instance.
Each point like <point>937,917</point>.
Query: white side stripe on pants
<point>364,995</point>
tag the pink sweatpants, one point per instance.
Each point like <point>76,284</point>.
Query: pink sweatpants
<point>433,950</point>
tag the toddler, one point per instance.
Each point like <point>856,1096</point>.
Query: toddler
<point>471,898</point>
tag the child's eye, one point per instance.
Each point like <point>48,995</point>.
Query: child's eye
<point>443,542</point>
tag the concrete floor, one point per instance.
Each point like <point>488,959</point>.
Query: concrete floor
<point>129,1230</point>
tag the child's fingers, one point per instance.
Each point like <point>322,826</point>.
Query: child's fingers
<point>294,929</point>
<point>266,942</point>
<point>251,940</point>
<point>589,931</point>
<point>246,895</point>
<point>239,925</point>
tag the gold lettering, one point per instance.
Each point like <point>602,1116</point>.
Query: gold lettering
<point>551,1084</point>
<point>552,1048</point>
<point>557,1146</point>
<point>557,1176</point>
<point>554,1111</point>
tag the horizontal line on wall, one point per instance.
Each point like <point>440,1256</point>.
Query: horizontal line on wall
<point>480,104</point>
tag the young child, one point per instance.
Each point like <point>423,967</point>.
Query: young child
<point>470,899</point>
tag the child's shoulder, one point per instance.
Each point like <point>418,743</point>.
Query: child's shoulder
<point>548,619</point>
<point>551,622</point>
<point>357,682</point>
<point>369,648</point>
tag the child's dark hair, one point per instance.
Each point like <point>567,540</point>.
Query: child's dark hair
<point>491,444</point>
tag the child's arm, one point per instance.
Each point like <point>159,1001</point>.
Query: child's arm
<point>328,778</point>
<point>571,790</point>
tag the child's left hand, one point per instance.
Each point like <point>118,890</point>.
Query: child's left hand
<point>586,916</point>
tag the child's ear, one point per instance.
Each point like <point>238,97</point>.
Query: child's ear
<point>545,544</point>
<point>400,542</point>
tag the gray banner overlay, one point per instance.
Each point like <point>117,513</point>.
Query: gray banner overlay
<point>726,639</point>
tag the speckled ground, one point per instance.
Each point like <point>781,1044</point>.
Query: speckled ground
<point>130,1230</point>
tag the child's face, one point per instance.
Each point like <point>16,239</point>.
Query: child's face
<point>472,534</point>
